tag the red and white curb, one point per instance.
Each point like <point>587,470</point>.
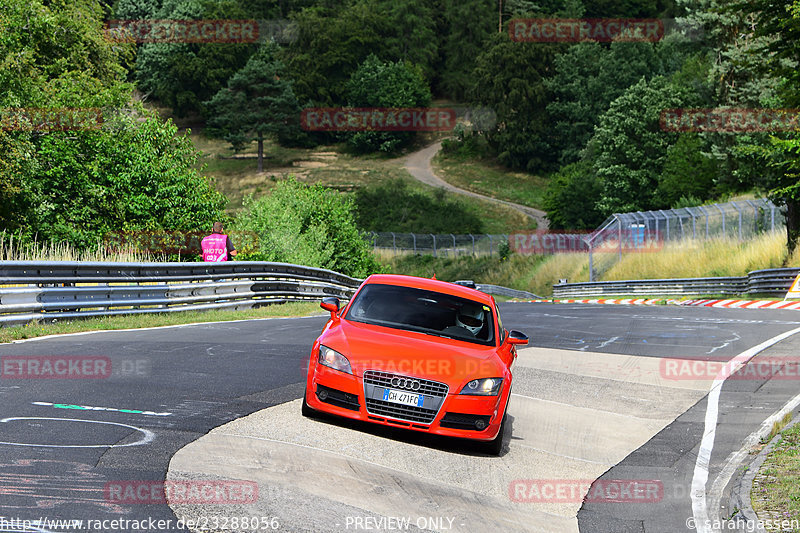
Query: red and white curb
<point>743,304</point>
<point>730,304</point>
<point>627,301</point>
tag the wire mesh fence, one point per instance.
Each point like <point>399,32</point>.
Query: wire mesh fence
<point>439,245</point>
<point>620,233</point>
<point>741,220</point>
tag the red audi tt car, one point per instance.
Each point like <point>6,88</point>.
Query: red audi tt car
<point>415,353</point>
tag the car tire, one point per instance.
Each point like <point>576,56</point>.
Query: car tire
<point>307,411</point>
<point>495,446</point>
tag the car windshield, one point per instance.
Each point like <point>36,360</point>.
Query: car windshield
<point>424,311</point>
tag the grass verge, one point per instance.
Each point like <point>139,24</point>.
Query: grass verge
<point>776,487</point>
<point>489,179</point>
<point>236,176</point>
<point>41,328</point>
<point>515,271</point>
<point>13,249</point>
<point>538,274</point>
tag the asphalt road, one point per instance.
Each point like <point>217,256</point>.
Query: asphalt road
<point>169,386</point>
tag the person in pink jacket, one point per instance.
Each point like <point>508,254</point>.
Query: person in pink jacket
<point>217,246</point>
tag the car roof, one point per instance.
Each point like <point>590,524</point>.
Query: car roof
<point>431,284</point>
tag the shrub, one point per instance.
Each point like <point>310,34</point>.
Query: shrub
<point>307,225</point>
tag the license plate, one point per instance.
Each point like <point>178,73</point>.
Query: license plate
<point>403,397</point>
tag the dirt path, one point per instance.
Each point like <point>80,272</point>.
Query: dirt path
<point>418,165</point>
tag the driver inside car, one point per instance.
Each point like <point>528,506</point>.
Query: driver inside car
<point>469,321</point>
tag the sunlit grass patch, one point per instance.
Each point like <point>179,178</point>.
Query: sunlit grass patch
<point>491,180</point>
<point>776,487</point>
<point>696,259</point>
<point>13,249</point>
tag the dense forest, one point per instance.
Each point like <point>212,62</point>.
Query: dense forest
<point>588,115</point>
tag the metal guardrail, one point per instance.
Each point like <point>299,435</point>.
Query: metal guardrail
<point>31,290</point>
<point>505,291</point>
<point>771,281</point>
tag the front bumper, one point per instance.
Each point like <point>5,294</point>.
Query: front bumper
<point>455,415</point>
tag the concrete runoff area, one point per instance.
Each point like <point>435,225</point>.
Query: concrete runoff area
<point>573,415</point>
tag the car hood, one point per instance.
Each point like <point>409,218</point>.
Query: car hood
<point>370,347</point>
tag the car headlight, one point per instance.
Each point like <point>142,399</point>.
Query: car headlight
<point>483,387</point>
<point>333,359</point>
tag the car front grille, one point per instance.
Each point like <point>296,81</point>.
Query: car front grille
<point>376,381</point>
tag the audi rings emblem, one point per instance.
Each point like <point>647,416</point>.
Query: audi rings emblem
<point>406,383</point>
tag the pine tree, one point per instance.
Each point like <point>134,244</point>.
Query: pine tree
<point>257,103</point>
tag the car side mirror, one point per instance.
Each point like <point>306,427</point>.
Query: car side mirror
<point>517,337</point>
<point>330,303</point>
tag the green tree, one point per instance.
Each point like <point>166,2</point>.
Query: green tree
<point>689,171</point>
<point>784,154</point>
<point>571,198</point>
<point>307,225</point>
<point>589,76</point>
<point>624,8</point>
<point>132,175</point>
<point>510,79</point>
<point>741,74</point>
<point>468,24</point>
<point>394,206</point>
<point>257,103</point>
<point>51,55</point>
<point>384,84</point>
<point>49,52</point>
<point>629,149</point>
<point>333,40</point>
<point>413,35</point>
<point>183,75</point>
<point>136,9</point>
<point>330,45</point>
<point>777,29</point>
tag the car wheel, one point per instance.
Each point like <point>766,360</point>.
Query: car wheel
<point>306,409</point>
<point>495,446</point>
